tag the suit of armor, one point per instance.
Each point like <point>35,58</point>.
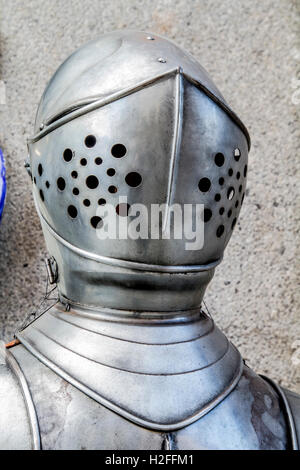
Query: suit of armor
<point>127,358</point>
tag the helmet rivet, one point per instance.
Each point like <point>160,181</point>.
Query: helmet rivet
<point>160,59</point>
<point>150,38</point>
<point>42,126</point>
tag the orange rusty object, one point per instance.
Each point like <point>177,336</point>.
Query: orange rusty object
<point>12,343</point>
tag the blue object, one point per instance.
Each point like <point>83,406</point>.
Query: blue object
<point>2,183</point>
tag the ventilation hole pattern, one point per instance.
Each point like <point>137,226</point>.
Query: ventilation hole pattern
<point>88,184</point>
<point>229,165</point>
<point>224,192</point>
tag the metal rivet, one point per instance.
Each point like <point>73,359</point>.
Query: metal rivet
<point>160,59</point>
<point>42,126</point>
<point>150,38</point>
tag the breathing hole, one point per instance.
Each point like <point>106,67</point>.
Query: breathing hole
<point>240,188</point>
<point>238,175</point>
<point>47,184</point>
<point>42,195</point>
<point>111,172</point>
<point>233,223</point>
<point>112,189</point>
<point>98,160</point>
<point>204,185</point>
<point>34,180</point>
<point>40,169</point>
<point>237,204</point>
<point>220,231</point>
<point>90,141</point>
<point>221,181</point>
<point>83,161</point>
<point>217,197</point>
<point>86,202</point>
<point>221,211</point>
<point>133,179</point>
<point>207,215</point>
<point>72,211</point>
<point>92,182</point>
<point>230,172</point>
<point>229,213</point>
<point>230,193</point>
<point>75,191</point>
<point>96,222</point>
<point>242,198</point>
<point>101,202</point>
<point>245,171</point>
<point>61,184</point>
<point>122,209</point>
<point>74,174</point>
<point>237,154</point>
<point>219,159</point>
<point>118,150</point>
<point>68,154</point>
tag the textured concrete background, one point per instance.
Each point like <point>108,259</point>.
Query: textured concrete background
<point>251,51</point>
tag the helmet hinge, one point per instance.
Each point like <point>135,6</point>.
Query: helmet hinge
<point>52,270</point>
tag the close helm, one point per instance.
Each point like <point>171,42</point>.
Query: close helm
<point>133,115</point>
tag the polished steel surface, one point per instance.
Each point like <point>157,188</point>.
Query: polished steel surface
<point>17,421</point>
<point>175,132</point>
<point>178,374</point>
<point>115,62</point>
<point>291,407</point>
<point>126,358</point>
<point>248,418</point>
<point>30,407</point>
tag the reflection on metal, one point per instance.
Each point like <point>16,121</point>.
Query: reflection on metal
<point>128,264</point>
<point>34,424</point>
<point>133,359</point>
<point>159,363</point>
<point>77,110</point>
<point>176,141</point>
<point>289,414</point>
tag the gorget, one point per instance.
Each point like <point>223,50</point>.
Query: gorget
<point>162,373</point>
